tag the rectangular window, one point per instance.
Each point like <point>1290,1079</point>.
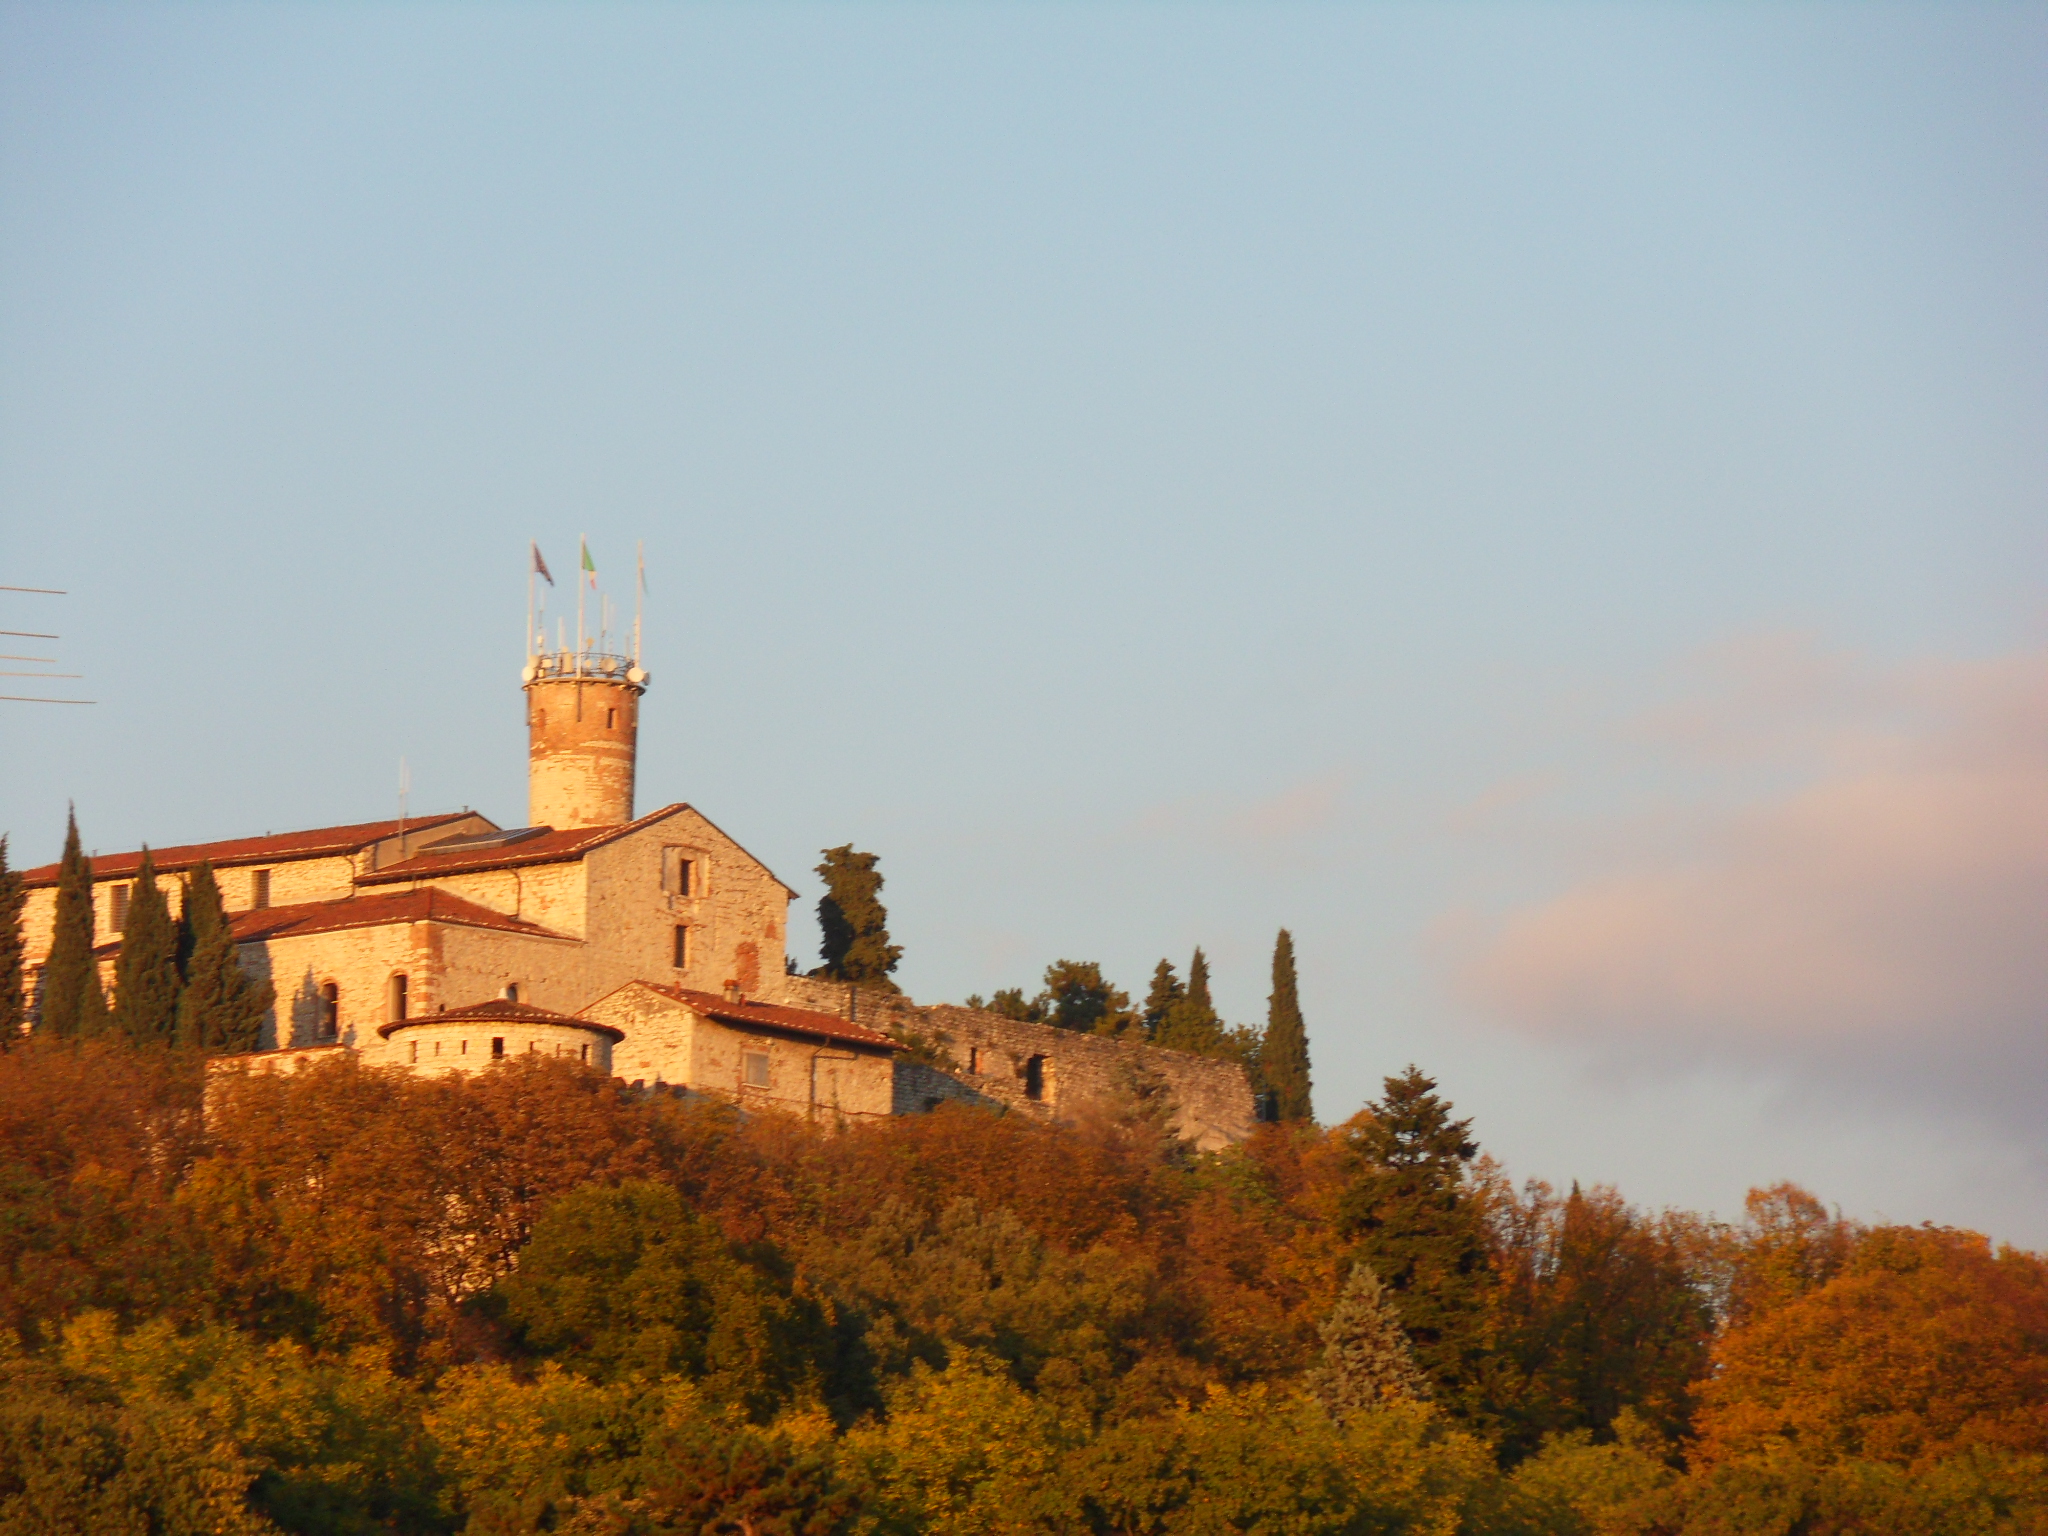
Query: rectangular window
<point>415,1050</point>
<point>584,1053</point>
<point>399,989</point>
<point>682,947</point>
<point>756,1064</point>
<point>1034,1078</point>
<point>974,1059</point>
<point>498,1049</point>
<point>259,888</point>
<point>117,917</point>
<point>678,872</point>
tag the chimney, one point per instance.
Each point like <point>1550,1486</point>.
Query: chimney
<point>733,994</point>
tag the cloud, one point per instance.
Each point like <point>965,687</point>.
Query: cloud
<point>1299,811</point>
<point>1882,923</point>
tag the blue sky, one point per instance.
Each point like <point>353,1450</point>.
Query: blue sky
<point>1545,502</point>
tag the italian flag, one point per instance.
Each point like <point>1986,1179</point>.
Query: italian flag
<point>589,565</point>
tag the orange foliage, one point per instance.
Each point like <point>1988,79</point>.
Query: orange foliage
<point>1924,1343</point>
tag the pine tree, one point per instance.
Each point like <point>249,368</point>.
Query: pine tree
<point>1191,1023</point>
<point>1412,1215</point>
<point>1367,1361</point>
<point>220,1009</point>
<point>1078,997</point>
<point>13,999</point>
<point>855,944</point>
<point>146,974</point>
<point>73,1004</point>
<point>1283,1057</point>
<point>1166,991</point>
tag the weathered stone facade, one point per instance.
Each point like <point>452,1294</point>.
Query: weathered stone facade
<point>583,731</point>
<point>1036,1069</point>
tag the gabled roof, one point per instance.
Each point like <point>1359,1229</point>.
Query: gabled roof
<point>378,911</point>
<point>499,1010</point>
<point>546,848</point>
<point>271,848</point>
<point>801,1021</point>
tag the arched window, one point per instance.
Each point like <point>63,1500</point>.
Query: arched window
<point>396,997</point>
<point>511,991</point>
<point>330,1011</point>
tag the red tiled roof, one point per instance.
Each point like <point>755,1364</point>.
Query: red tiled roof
<point>500,1010</point>
<point>773,1016</point>
<point>548,848</point>
<point>377,911</point>
<point>321,842</point>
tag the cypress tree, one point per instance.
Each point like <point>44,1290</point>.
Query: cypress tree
<point>1191,1023</point>
<point>1283,1057</point>
<point>220,1008</point>
<point>854,924</point>
<point>13,999</point>
<point>1166,991</point>
<point>1412,1215</point>
<point>73,1004</point>
<point>1367,1362</point>
<point>146,975</point>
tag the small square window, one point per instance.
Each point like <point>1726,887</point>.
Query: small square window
<point>756,1064</point>
<point>498,1049</point>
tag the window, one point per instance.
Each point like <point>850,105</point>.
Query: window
<point>415,1050</point>
<point>259,888</point>
<point>682,947</point>
<point>511,991</point>
<point>118,912</point>
<point>678,872</point>
<point>1034,1078</point>
<point>584,1054</point>
<point>756,1069</point>
<point>395,999</point>
<point>974,1059</point>
<point>498,1049</point>
<point>330,1011</point>
<point>611,719</point>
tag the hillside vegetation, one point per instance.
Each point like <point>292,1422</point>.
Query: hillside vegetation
<point>353,1301</point>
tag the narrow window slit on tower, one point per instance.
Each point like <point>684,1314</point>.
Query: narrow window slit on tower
<point>682,947</point>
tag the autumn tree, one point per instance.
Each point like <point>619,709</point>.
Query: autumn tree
<point>13,993</point>
<point>854,925</point>
<point>1409,1211</point>
<point>219,1008</point>
<point>146,974</point>
<point>72,1003</point>
<point>1283,1055</point>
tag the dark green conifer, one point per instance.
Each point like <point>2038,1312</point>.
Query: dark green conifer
<point>1078,997</point>
<point>13,999</point>
<point>1412,1216</point>
<point>854,924</point>
<point>72,1003</point>
<point>1191,1023</point>
<point>146,974</point>
<point>1367,1361</point>
<point>220,1008</point>
<point>1283,1056</point>
<point>1166,991</point>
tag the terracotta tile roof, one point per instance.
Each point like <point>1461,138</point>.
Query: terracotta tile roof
<point>272,848</point>
<point>547,848</point>
<point>773,1016</point>
<point>500,1011</point>
<point>377,911</point>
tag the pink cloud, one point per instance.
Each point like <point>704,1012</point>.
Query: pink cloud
<point>1888,919</point>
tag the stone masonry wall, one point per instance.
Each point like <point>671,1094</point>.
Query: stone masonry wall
<point>990,1059</point>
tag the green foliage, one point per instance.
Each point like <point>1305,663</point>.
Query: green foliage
<point>219,1008</point>
<point>13,980</point>
<point>73,1006</point>
<point>854,925</point>
<point>626,1282</point>
<point>1166,991</point>
<point>146,974</point>
<point>1412,1216</point>
<point>1367,1362</point>
<point>1190,1022</point>
<point>1283,1054</point>
<point>1078,997</point>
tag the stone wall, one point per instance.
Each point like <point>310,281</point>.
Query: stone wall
<point>1036,1069</point>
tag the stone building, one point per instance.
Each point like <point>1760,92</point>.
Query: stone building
<point>651,946</point>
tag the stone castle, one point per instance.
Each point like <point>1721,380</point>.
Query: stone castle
<point>651,947</point>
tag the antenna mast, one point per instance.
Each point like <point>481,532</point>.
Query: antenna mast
<point>639,596</point>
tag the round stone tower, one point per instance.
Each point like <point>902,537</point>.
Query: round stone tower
<point>582,726</point>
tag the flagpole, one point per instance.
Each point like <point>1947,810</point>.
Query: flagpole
<point>529,603</point>
<point>583,551</point>
<point>639,596</point>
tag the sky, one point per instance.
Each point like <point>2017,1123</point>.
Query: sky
<point>1546,503</point>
